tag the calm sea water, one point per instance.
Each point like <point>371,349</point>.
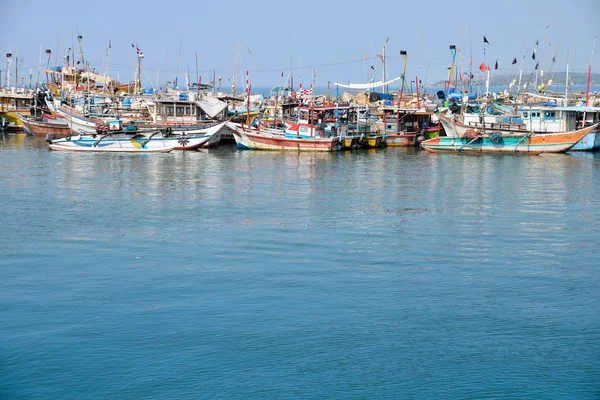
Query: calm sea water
<point>224,274</point>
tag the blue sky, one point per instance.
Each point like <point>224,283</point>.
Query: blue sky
<point>331,36</point>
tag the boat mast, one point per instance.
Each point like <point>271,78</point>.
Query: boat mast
<point>404,55</point>
<point>312,103</point>
<point>247,100</point>
<point>79,39</point>
<point>106,74</point>
<point>198,77</point>
<point>9,58</point>
<point>587,90</point>
<point>451,70</point>
<point>567,82</point>
<point>383,69</point>
<point>138,77</point>
<point>37,84</point>
<point>17,72</point>
<point>470,60</point>
<point>235,67</point>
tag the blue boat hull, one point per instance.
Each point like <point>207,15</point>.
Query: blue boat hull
<point>590,142</point>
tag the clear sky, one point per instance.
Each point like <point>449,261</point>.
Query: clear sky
<point>331,36</point>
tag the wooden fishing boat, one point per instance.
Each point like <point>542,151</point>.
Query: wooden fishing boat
<point>401,139</point>
<point>509,144</point>
<point>407,126</point>
<point>251,138</point>
<point>44,127</point>
<point>505,126</point>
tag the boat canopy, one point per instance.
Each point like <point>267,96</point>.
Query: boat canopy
<point>211,106</point>
<point>372,85</point>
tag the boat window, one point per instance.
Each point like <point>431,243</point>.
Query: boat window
<point>179,110</point>
<point>550,114</point>
<point>525,115</point>
<point>170,110</point>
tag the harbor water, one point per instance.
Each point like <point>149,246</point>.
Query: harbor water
<point>382,274</point>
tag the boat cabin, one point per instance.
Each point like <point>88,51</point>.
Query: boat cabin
<point>186,111</point>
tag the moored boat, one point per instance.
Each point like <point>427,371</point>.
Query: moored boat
<point>11,104</point>
<point>134,141</point>
<point>250,138</point>
<point>43,126</point>
<point>136,144</point>
<point>509,144</point>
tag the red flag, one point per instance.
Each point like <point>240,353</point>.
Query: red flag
<point>483,67</point>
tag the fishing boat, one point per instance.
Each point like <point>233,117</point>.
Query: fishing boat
<point>13,102</point>
<point>408,127</point>
<point>457,126</point>
<point>548,117</point>
<point>509,144</point>
<point>80,124</point>
<point>42,126</point>
<point>138,143</point>
<point>252,138</point>
<point>132,140</point>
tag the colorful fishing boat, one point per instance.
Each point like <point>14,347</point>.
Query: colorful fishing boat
<point>509,144</point>
<point>408,127</point>
<point>551,118</point>
<point>41,126</point>
<point>252,138</point>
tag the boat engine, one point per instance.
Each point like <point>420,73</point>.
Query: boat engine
<point>50,137</point>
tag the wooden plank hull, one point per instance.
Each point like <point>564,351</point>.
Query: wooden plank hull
<point>590,142</point>
<point>44,127</point>
<point>406,139</point>
<point>508,144</point>
<point>251,139</point>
